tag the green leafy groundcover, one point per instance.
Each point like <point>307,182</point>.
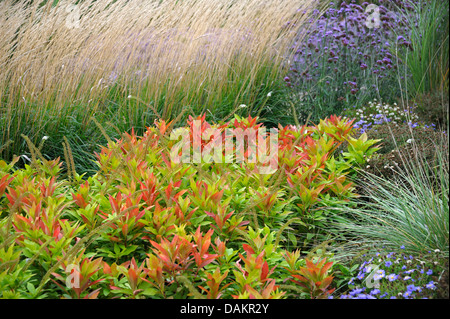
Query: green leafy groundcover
<point>146,227</point>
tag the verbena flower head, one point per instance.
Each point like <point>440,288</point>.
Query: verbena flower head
<point>340,41</point>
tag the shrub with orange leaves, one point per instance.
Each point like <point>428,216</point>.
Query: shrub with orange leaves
<point>145,226</point>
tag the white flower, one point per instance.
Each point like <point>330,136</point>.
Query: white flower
<point>45,137</point>
<point>269,94</point>
<point>410,141</point>
<point>129,96</point>
<point>242,105</point>
<point>437,251</point>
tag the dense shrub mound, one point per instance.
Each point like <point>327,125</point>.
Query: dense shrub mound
<point>146,227</point>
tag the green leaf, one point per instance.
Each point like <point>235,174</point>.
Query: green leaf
<point>344,269</point>
<point>129,250</point>
<point>292,238</point>
<point>150,292</point>
<point>31,288</point>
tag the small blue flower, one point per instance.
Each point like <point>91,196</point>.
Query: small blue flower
<point>411,287</point>
<point>367,269</point>
<point>429,272</point>
<point>407,294</point>
<point>402,247</point>
<point>379,274</point>
<point>356,291</point>
<point>388,263</point>
<point>430,285</point>
<point>392,277</point>
<point>375,292</point>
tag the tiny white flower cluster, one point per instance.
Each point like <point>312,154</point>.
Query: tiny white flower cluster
<point>377,113</point>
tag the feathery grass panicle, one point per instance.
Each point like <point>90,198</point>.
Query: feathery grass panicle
<point>62,61</point>
<point>69,158</point>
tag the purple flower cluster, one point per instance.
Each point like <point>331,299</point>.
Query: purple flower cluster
<point>341,60</point>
